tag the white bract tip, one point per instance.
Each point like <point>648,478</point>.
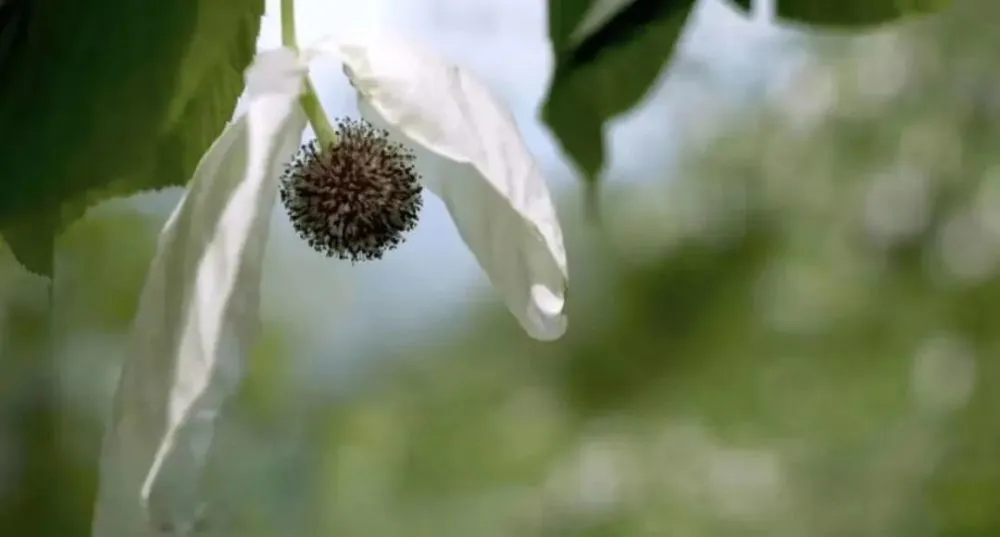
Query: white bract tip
<point>472,156</point>
<point>197,317</point>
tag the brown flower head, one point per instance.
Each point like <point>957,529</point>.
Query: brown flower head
<point>354,199</point>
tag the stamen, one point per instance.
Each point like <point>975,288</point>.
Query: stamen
<point>355,199</point>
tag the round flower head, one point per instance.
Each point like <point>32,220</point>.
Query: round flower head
<point>354,199</point>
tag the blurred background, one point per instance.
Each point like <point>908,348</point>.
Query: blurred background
<point>785,325</point>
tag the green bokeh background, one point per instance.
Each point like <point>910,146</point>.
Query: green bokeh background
<point>793,333</point>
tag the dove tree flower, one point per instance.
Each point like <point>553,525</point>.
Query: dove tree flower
<point>352,193</point>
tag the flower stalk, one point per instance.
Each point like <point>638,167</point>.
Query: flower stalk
<point>309,100</point>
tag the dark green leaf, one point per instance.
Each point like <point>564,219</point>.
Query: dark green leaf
<point>606,71</point>
<point>746,5</point>
<point>108,98</point>
<point>30,239</point>
<point>853,13</point>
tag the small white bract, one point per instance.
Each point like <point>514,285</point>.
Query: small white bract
<point>197,317</point>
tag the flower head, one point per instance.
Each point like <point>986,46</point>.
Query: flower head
<point>356,198</point>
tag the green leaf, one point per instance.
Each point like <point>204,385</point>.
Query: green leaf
<point>851,13</point>
<point>746,5</point>
<point>30,240</point>
<point>108,98</point>
<point>603,66</point>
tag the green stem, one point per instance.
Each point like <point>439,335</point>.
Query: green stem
<point>325,132</point>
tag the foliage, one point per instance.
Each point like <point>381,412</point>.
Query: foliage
<point>92,107</point>
<point>603,69</point>
<point>853,13</point>
<point>609,54</point>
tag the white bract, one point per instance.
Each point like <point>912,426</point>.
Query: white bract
<point>197,317</point>
<point>472,156</point>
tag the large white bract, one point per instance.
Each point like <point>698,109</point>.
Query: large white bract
<point>197,318</point>
<point>472,156</point>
